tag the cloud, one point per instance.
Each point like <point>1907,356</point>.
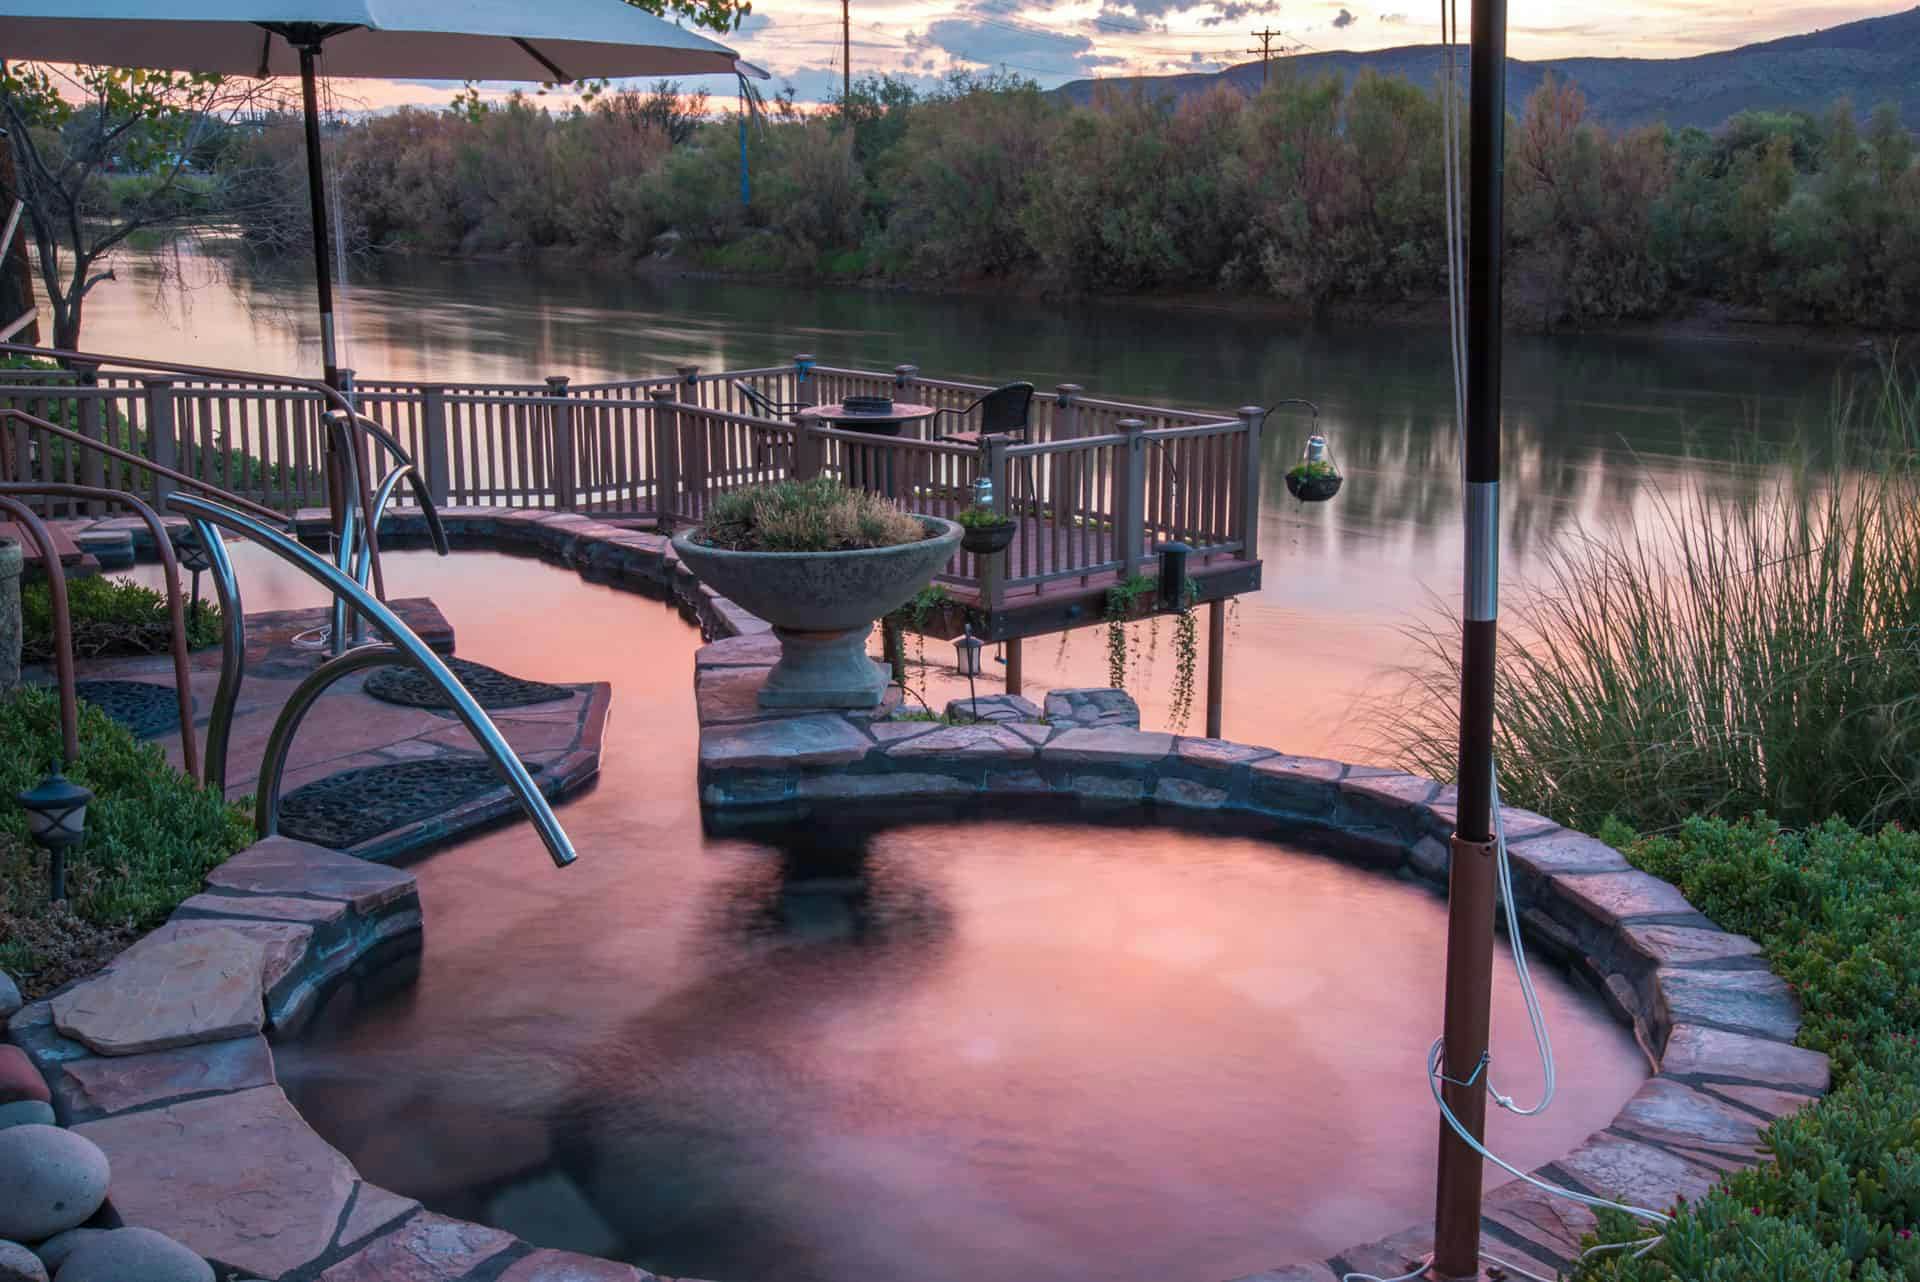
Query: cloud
<point>989,43</point>
<point>1239,11</point>
<point>752,25</point>
<point>1346,19</point>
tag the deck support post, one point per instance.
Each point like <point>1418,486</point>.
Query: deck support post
<point>1255,419</point>
<point>435,445</point>
<point>666,457</point>
<point>806,451</point>
<point>1216,664</point>
<point>163,441</point>
<point>993,568</point>
<point>1066,415</point>
<point>1130,497</point>
<point>1016,667</point>
<point>92,471</point>
<point>561,416</point>
<point>806,384</point>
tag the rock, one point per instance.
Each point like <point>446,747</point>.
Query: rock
<point>123,1255</point>
<point>50,1181</point>
<point>964,743</point>
<point>819,740</point>
<point>54,1251</point>
<point>26,1112</point>
<point>188,988</point>
<point>992,707</point>
<point>270,1214</point>
<point>1093,706</point>
<point>9,997</point>
<point>427,1248</point>
<point>18,1264</point>
<point>91,1088</point>
<point>281,866</point>
<point>1109,745</point>
<point>19,1079</point>
<point>565,1266</point>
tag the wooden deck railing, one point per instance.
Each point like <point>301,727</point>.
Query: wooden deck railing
<point>1096,484</point>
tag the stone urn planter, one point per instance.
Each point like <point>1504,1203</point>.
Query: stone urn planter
<point>822,605</point>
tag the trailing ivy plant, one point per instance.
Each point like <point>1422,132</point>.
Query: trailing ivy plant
<point>912,617</point>
<point>1186,640</point>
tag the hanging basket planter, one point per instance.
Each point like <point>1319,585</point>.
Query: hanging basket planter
<point>985,540</point>
<point>1316,477</point>
<point>1311,486</point>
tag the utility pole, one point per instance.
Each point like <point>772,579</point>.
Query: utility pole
<point>1266,39</point>
<point>846,61</point>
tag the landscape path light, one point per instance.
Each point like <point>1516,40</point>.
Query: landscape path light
<point>967,658</point>
<point>56,819</point>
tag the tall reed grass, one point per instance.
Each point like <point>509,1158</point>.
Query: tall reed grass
<point>1727,658</point>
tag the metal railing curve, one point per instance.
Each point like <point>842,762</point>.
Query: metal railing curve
<point>209,518</point>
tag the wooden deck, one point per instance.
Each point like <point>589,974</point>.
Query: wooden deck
<point>1062,604</point>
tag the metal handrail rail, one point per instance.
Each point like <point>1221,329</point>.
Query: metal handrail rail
<point>208,518</point>
<point>62,621</point>
<point>176,614</point>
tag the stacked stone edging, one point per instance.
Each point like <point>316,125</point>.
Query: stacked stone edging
<point>1716,1025</point>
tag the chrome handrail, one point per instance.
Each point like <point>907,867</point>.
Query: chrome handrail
<point>207,516</point>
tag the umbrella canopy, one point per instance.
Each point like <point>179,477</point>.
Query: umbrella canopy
<point>429,39</point>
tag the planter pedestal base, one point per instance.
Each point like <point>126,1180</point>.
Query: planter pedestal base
<point>824,670</point>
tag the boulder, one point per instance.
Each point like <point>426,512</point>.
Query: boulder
<point>54,1251</point>
<point>26,1112</point>
<point>50,1181</point>
<point>19,1079</point>
<point>9,997</point>
<point>17,1264</point>
<point>125,1254</point>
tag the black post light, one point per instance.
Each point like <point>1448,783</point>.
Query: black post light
<point>1173,574</point>
<point>56,818</point>
<point>191,553</point>
<point>967,658</point>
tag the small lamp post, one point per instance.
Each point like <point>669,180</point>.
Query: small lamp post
<point>967,658</point>
<point>192,555</point>
<point>56,818</point>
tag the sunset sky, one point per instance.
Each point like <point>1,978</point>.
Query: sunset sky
<point>1053,41</point>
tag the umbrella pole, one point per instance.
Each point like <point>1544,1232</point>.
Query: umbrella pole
<point>322,267</point>
<point>1470,898</point>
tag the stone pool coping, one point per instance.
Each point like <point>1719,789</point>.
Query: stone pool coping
<point>1715,1023</point>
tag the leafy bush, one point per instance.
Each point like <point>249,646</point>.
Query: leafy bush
<point>819,515</point>
<point>152,834</point>
<point>977,517</point>
<point>112,617</point>
<point>1840,1196</point>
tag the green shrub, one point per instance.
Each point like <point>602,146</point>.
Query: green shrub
<point>1840,1196</point>
<point>111,617</point>
<point>820,515</point>
<point>152,834</point>
<point>977,517</point>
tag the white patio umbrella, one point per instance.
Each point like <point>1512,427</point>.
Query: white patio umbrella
<point>545,40</point>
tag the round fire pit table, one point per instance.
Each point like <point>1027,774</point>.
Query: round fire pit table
<point>860,472</point>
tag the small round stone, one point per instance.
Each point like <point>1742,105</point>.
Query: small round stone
<point>17,1264</point>
<point>125,1254</point>
<point>9,997</point>
<point>26,1112</point>
<point>19,1079</point>
<point>54,1251</point>
<point>50,1180</point>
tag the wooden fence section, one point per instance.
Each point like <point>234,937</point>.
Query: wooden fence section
<point>1096,485</point>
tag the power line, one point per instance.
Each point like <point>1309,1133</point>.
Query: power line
<point>1265,51</point>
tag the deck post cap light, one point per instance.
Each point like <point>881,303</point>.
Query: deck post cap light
<point>56,818</point>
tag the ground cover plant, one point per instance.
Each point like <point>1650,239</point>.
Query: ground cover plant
<point>152,834</point>
<point>110,617</point>
<point>817,515</point>
<point>1839,1198</point>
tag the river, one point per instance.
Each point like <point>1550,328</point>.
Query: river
<point>1598,430</point>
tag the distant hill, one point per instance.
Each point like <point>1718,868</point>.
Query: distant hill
<point>1872,61</point>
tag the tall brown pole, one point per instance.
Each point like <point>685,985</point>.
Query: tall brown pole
<point>846,59</point>
<point>1470,905</point>
<point>1216,664</point>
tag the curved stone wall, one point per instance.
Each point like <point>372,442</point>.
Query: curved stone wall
<point>206,1148</point>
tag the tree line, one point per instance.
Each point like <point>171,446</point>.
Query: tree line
<point>1317,192</point>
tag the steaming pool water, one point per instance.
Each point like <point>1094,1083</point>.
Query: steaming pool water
<point>1009,1047</point>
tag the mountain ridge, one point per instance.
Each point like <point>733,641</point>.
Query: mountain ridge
<point>1870,61</point>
